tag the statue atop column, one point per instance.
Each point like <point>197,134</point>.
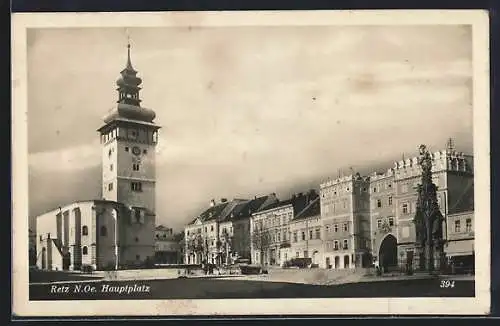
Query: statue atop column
<point>428,219</point>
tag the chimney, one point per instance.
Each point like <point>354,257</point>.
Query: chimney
<point>212,203</point>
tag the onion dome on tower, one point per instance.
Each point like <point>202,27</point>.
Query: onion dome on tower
<point>129,103</point>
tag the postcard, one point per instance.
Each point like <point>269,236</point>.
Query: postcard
<point>251,163</point>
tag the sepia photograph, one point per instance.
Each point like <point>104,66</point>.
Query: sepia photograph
<point>313,162</point>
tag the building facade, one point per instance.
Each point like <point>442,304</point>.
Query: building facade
<point>167,246</point>
<point>116,231</point>
<point>307,234</point>
<point>220,234</point>
<point>345,216</point>
<point>270,229</point>
<point>452,173</point>
<point>98,233</point>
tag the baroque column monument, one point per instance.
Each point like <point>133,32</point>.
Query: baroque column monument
<point>428,219</point>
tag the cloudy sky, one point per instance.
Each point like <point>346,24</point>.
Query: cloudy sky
<point>245,110</point>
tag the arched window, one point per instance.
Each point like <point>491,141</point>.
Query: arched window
<point>104,231</point>
<point>85,230</point>
<point>85,250</point>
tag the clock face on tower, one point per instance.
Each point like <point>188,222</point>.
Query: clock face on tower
<point>136,150</point>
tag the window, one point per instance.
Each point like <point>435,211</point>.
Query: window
<point>328,228</point>
<point>212,243</point>
<point>135,167</point>
<point>389,185</point>
<point>336,245</point>
<point>136,186</point>
<point>126,149</point>
<point>295,237</point>
<point>457,226</point>
<point>212,228</point>
<point>306,254</point>
<point>136,239</point>
<point>109,153</point>
<point>405,208</point>
<point>110,186</point>
<point>157,236</point>
<point>375,189</point>
<point>310,234</point>
<point>205,229</point>
<point>468,225</point>
<point>111,167</point>
<point>344,244</point>
<point>41,239</point>
<point>104,231</point>
<point>391,221</point>
<point>145,151</point>
<point>85,230</point>
<point>303,235</point>
<point>137,257</point>
<point>284,235</point>
<point>279,236</point>
<point>318,233</point>
<point>364,189</point>
<point>404,188</point>
<point>85,250</point>
<point>335,228</point>
<point>187,232</point>
<point>379,223</point>
<point>379,203</point>
<point>390,200</point>
<point>297,254</point>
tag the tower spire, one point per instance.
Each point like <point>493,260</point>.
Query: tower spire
<point>129,62</point>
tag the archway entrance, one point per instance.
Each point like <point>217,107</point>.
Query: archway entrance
<point>346,261</point>
<point>388,252</point>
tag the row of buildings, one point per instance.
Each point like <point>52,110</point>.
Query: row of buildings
<point>352,221</point>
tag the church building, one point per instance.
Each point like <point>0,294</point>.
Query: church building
<point>116,230</point>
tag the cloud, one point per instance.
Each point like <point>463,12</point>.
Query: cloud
<point>246,110</point>
<point>67,159</point>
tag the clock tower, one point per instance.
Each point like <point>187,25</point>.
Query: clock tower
<point>128,138</point>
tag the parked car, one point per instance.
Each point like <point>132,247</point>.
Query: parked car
<point>298,263</point>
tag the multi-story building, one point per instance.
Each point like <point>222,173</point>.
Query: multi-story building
<point>221,233</point>
<point>167,246</point>
<point>345,216</point>
<point>270,230</point>
<point>306,234</point>
<point>118,229</point>
<point>452,173</point>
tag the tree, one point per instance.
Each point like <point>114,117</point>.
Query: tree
<point>195,244</point>
<point>226,245</point>
<point>261,240</point>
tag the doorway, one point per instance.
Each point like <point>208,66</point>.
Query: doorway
<point>388,252</point>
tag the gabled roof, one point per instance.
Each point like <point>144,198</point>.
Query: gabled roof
<point>298,202</point>
<point>312,209</point>
<point>235,209</point>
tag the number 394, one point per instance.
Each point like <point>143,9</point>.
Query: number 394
<point>447,284</point>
